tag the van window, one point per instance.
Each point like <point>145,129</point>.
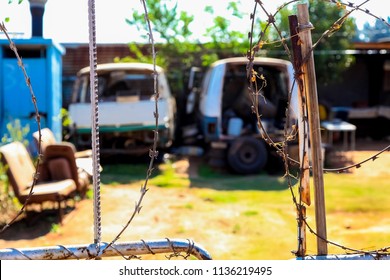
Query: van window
<point>237,99</point>
<point>235,88</point>
<point>118,86</point>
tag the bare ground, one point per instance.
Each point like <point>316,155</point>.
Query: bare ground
<point>166,213</point>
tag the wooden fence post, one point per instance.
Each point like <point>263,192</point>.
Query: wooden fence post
<point>314,126</point>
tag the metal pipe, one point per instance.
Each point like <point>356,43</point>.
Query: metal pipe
<point>368,256</point>
<point>37,10</point>
<point>184,247</point>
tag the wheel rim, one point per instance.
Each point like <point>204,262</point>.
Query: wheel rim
<point>247,154</point>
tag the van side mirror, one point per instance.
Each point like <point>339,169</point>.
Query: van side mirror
<point>194,83</point>
<point>195,78</point>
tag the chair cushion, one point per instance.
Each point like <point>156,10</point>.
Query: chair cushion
<point>47,138</point>
<point>51,191</point>
<point>59,169</point>
<point>20,166</point>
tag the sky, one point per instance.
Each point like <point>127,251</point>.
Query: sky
<point>66,21</point>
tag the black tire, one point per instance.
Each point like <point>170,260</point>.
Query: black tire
<point>247,155</point>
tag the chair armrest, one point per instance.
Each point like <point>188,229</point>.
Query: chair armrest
<point>86,164</point>
<point>83,154</point>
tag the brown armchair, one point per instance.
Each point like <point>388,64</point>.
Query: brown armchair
<point>79,162</point>
<point>79,169</point>
<point>20,172</point>
<point>47,138</point>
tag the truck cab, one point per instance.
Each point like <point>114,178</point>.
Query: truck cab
<point>126,108</point>
<point>224,117</point>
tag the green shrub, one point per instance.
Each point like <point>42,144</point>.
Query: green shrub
<point>8,203</point>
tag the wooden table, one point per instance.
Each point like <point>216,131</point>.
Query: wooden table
<point>340,126</point>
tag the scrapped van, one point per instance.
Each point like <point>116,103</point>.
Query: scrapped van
<point>126,108</point>
<point>222,112</point>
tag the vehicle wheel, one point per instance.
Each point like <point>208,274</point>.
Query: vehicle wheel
<point>247,155</point>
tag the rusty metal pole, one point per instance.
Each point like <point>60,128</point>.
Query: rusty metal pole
<point>301,217</point>
<point>95,124</point>
<point>303,134</point>
<point>304,178</point>
<point>314,126</point>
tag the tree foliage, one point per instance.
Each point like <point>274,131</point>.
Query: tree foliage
<point>221,36</point>
<point>167,23</point>
<point>172,31</point>
<point>19,1</point>
<point>170,28</point>
<point>177,50</point>
<point>330,56</point>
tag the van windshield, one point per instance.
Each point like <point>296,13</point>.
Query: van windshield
<point>118,86</point>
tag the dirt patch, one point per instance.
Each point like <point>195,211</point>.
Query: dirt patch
<point>365,152</point>
<point>166,213</point>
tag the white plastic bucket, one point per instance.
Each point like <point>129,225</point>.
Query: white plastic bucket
<point>235,126</point>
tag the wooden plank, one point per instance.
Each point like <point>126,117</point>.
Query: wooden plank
<point>314,126</point>
<point>303,130</point>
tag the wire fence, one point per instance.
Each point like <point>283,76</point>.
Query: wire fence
<point>187,248</point>
<point>255,47</point>
<point>172,248</point>
<point>97,250</point>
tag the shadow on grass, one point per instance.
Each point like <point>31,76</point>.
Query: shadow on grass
<point>118,174</point>
<point>223,180</point>
<point>164,176</point>
<point>260,183</point>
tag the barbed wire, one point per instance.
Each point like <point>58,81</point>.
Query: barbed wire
<point>358,164</point>
<point>153,153</point>
<point>281,148</point>
<point>35,176</point>
<point>172,248</point>
<point>176,248</point>
<point>261,42</point>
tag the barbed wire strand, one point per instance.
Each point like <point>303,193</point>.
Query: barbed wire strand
<point>262,42</point>
<point>281,147</point>
<point>358,8</point>
<point>153,153</point>
<point>127,250</point>
<point>69,252</point>
<point>35,176</point>
<point>251,54</point>
<point>282,151</point>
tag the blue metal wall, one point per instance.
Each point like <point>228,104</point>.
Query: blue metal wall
<point>42,59</point>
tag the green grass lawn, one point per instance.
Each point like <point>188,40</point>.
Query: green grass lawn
<point>258,213</point>
<point>233,217</point>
